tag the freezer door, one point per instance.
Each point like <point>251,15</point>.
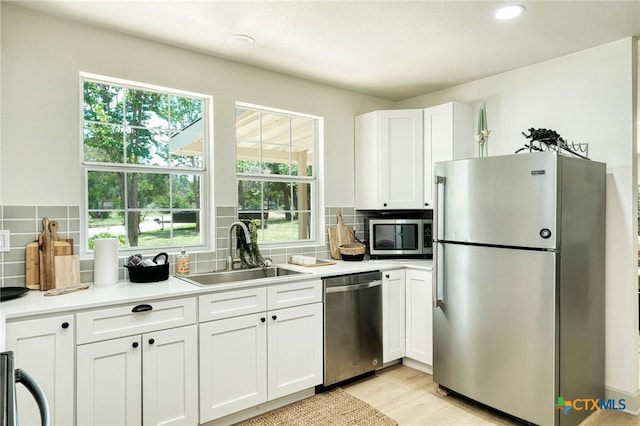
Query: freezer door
<point>494,338</point>
<point>506,200</point>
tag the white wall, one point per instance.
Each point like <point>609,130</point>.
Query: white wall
<point>589,96</point>
<point>42,56</point>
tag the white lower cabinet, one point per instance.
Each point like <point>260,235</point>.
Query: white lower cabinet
<point>149,378</point>
<point>233,365</point>
<point>393,315</point>
<point>110,382</point>
<point>263,354</point>
<point>44,348</point>
<point>419,320</point>
<point>295,350</point>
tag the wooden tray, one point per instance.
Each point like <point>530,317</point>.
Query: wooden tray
<point>319,262</point>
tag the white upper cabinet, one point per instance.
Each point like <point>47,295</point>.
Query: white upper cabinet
<point>448,135</point>
<point>388,160</point>
<point>395,151</point>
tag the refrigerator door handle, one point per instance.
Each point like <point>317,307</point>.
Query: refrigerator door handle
<point>438,252</point>
<point>438,207</point>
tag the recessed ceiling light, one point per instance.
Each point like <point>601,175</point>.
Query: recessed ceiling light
<point>509,11</point>
<point>240,39</point>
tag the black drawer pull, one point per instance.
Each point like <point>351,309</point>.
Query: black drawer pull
<point>65,325</point>
<point>152,341</point>
<point>273,317</point>
<point>142,308</point>
<point>134,344</point>
<point>263,319</point>
<point>387,276</point>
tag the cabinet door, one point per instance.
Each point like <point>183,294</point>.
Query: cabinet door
<point>295,349</point>
<point>400,137</point>
<point>393,315</point>
<point>419,340</point>
<point>170,377</point>
<point>109,385</point>
<point>44,348</point>
<point>438,139</point>
<point>233,365</point>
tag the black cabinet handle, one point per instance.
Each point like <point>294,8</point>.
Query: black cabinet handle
<point>152,341</point>
<point>142,308</point>
<point>134,344</point>
<point>426,204</point>
<point>273,317</point>
<point>384,205</point>
<point>263,319</point>
<point>65,325</point>
<point>387,276</point>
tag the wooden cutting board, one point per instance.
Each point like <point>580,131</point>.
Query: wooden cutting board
<point>339,234</point>
<point>33,255</point>
<point>67,271</point>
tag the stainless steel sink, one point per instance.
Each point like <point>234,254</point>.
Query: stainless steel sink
<point>223,277</point>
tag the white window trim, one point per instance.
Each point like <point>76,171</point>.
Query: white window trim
<point>318,233</point>
<point>208,221</point>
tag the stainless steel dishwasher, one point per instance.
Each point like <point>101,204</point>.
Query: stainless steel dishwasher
<point>352,325</point>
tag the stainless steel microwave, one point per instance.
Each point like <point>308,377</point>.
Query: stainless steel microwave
<point>398,238</point>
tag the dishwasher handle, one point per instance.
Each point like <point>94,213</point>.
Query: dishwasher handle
<point>354,287</point>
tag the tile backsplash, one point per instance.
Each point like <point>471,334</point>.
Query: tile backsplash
<point>25,224</point>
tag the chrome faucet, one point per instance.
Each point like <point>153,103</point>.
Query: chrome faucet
<point>230,259</point>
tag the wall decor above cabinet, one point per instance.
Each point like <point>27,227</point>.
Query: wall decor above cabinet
<point>395,150</point>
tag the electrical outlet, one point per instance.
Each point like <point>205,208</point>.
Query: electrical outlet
<point>4,240</point>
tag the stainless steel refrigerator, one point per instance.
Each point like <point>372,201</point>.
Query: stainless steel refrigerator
<point>519,282</point>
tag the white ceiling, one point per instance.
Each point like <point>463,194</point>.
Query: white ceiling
<point>390,49</point>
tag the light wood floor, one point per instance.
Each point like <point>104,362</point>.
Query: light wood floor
<point>411,398</point>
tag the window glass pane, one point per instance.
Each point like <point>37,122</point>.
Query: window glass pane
<point>106,191</point>
<point>249,196</point>
<point>186,147</point>
<point>147,190</point>
<point>275,129</point>
<point>277,195</point>
<point>103,143</point>
<point>149,147</point>
<point>186,191</point>
<point>164,228</point>
<point>103,103</point>
<point>302,141</point>
<point>247,139</point>
<point>185,113</point>
<point>301,196</point>
<point>106,224</point>
<point>147,109</point>
<point>276,160</point>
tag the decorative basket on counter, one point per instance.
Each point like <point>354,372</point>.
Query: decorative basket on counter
<point>149,274</point>
<point>353,251</point>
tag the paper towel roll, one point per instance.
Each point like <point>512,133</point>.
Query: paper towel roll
<point>105,261</point>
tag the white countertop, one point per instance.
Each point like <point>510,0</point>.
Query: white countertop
<point>35,303</point>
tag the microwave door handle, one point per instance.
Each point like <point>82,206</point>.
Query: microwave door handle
<point>438,249</point>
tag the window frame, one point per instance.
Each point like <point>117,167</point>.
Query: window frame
<point>316,236</point>
<point>207,219</point>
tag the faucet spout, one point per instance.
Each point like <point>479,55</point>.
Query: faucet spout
<point>247,237</point>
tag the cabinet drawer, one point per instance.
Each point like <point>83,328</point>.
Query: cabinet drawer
<point>232,303</point>
<point>299,293</point>
<point>110,323</point>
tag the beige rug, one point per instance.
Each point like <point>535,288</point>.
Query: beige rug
<point>335,407</point>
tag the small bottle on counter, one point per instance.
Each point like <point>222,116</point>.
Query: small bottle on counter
<point>183,264</point>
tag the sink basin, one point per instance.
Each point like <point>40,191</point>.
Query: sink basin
<point>223,277</point>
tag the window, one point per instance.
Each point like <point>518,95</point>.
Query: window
<point>144,163</point>
<point>276,157</point>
